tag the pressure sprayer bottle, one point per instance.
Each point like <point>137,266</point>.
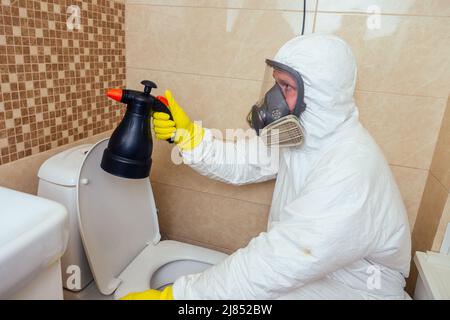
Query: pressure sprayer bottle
<point>129,150</point>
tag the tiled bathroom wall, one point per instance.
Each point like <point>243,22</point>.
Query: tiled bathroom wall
<point>440,170</point>
<point>57,58</point>
<point>434,212</point>
<point>55,69</point>
<point>211,55</point>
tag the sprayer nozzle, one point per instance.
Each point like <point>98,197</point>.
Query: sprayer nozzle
<point>115,94</point>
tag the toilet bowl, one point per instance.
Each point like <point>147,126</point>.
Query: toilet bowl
<point>160,265</point>
<point>118,227</point>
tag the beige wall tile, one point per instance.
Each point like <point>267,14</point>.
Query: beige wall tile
<point>220,42</point>
<point>406,55</point>
<point>21,175</point>
<point>429,214</point>
<point>443,222</point>
<point>408,7</point>
<point>440,167</point>
<point>427,222</point>
<point>405,127</point>
<point>218,102</point>
<point>411,183</point>
<point>210,219</point>
<point>196,243</point>
<point>239,4</point>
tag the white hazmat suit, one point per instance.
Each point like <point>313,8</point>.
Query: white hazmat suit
<point>337,227</point>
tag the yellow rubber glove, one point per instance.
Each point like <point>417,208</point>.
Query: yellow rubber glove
<point>151,294</point>
<point>188,135</point>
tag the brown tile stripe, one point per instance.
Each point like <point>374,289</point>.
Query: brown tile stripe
<point>53,80</point>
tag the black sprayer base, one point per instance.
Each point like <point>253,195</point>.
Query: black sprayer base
<point>125,167</point>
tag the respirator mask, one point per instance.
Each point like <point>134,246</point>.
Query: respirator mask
<point>271,117</point>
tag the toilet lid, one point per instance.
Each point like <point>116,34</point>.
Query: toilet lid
<point>117,219</point>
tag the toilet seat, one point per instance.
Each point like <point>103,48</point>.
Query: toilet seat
<point>137,276</point>
<point>119,227</point>
<point>117,219</point>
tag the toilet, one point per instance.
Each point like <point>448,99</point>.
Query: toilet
<point>114,232</point>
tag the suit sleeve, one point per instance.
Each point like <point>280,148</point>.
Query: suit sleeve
<point>242,162</point>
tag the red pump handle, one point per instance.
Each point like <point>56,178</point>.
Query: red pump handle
<point>163,100</point>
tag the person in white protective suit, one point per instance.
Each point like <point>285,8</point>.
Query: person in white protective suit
<point>337,227</point>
